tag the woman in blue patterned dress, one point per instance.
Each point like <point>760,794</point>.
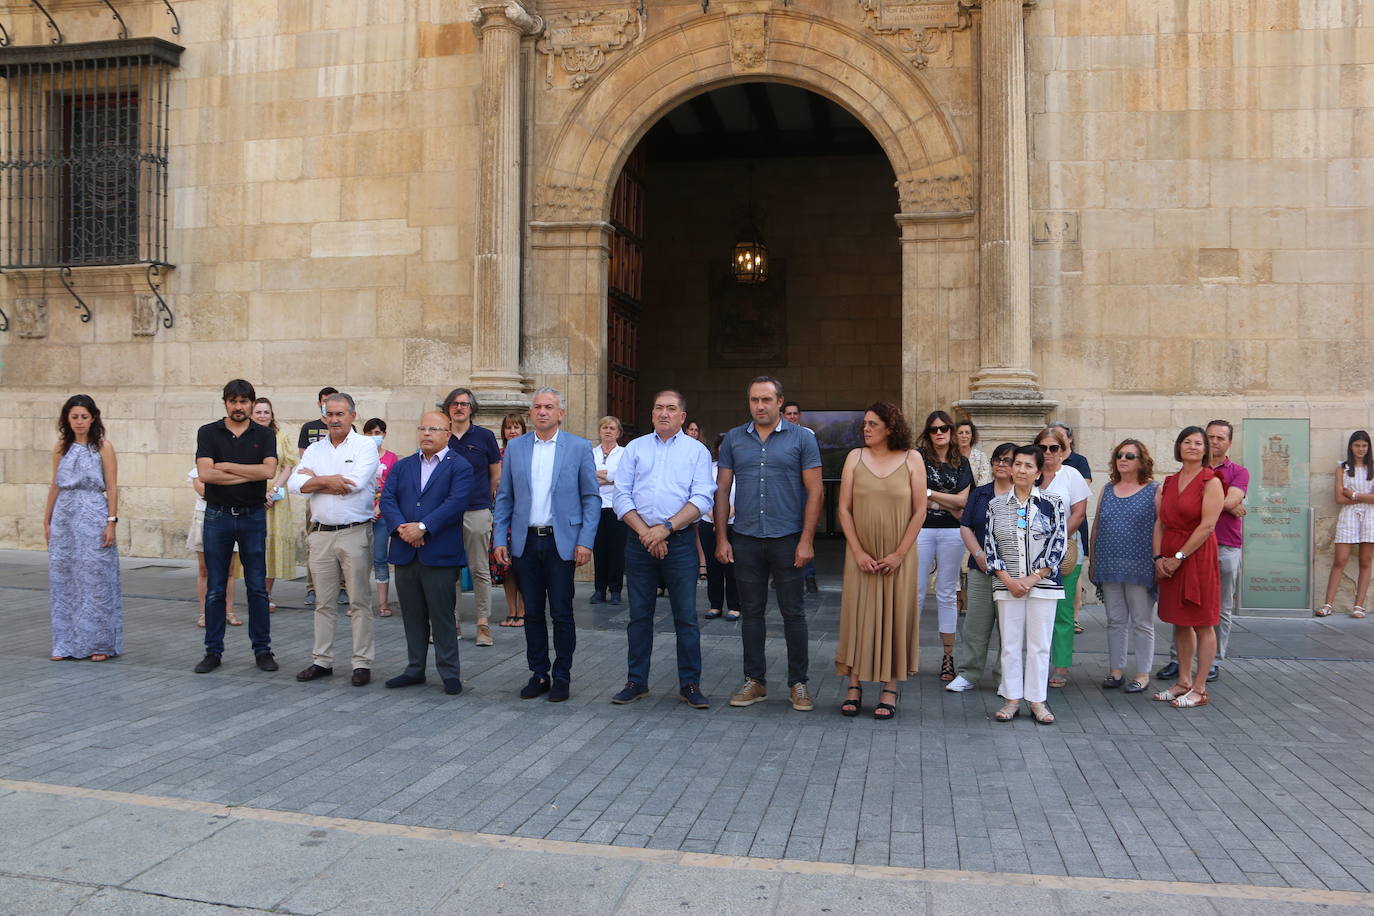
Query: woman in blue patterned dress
<point>79,526</point>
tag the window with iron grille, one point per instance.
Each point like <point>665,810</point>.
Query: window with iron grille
<point>83,179</point>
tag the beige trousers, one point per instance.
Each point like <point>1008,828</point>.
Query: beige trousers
<point>476,543</point>
<point>343,559</point>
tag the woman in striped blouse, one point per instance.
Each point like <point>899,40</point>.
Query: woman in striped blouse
<point>1025,543</point>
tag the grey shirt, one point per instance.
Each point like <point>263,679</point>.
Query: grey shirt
<point>770,499</point>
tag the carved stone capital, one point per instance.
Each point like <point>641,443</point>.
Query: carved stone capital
<point>921,28</point>
<point>503,14</point>
<point>562,203</point>
<point>580,40</point>
<point>951,193</point>
<point>748,24</point>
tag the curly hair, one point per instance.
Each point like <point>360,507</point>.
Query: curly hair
<point>1147,463</point>
<point>95,437</point>
<point>898,433</point>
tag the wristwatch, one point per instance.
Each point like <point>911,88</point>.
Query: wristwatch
<point>422,527</point>
<point>1180,556</point>
<point>1159,556</point>
<point>668,523</point>
<point>111,519</point>
<point>929,491</point>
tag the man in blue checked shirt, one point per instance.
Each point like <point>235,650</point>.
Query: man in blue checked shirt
<point>662,486</point>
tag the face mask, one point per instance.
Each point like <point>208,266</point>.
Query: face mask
<point>378,440</point>
<point>322,411</point>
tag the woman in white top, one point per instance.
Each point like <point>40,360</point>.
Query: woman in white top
<point>1025,545</point>
<point>608,550</point>
<point>1355,525</point>
<point>1073,492</point>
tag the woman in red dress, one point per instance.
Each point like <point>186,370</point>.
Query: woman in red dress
<point>1185,550</point>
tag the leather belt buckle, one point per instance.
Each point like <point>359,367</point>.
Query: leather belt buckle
<point>541,531</point>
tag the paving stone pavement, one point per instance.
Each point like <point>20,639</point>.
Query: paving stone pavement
<point>1267,786</point>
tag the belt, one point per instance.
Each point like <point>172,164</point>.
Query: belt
<point>236,510</point>
<point>318,527</point>
<point>541,531</point>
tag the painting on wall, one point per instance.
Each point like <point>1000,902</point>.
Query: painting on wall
<point>748,323</point>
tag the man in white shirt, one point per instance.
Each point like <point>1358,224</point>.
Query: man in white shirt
<point>336,475</point>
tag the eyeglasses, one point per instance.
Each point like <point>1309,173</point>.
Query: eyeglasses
<point>1052,449</point>
<point>463,404</point>
<point>1127,456</point>
<point>1006,461</point>
<point>431,429</point>
<point>935,430</point>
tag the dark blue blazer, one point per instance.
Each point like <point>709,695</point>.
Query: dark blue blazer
<point>440,506</point>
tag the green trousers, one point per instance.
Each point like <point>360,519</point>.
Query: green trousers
<point>979,623</point>
<point>1061,647</point>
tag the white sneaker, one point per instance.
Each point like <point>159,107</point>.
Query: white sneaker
<point>960,684</point>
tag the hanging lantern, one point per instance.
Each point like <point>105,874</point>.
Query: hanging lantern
<point>750,263</point>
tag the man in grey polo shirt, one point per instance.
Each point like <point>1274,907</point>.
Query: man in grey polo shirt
<point>776,469</point>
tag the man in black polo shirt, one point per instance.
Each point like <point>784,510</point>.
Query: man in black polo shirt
<point>478,447</point>
<point>235,458</point>
<point>313,431</point>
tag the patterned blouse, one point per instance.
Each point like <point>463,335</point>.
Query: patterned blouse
<point>1026,536</point>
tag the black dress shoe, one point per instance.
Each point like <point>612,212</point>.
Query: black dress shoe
<point>406,680</point>
<point>559,692</point>
<point>313,672</point>
<point>266,661</point>
<point>453,686</point>
<point>534,688</point>
<point>1111,683</point>
<point>207,664</point>
<point>362,677</point>
<point>1213,673</point>
<point>1168,671</point>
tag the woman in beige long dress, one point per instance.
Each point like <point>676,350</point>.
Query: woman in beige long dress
<point>882,506</point>
<point>281,528</point>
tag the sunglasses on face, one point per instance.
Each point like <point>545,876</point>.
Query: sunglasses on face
<point>1127,456</point>
<point>935,430</point>
<point>1002,460</point>
<point>1052,449</point>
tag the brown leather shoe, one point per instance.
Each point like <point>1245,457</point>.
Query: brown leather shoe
<point>749,694</point>
<point>801,697</point>
<point>483,635</point>
<point>361,677</point>
<point>313,672</point>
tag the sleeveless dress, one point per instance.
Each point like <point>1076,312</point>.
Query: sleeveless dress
<point>1355,524</point>
<point>87,608</point>
<point>281,525</point>
<point>1192,596</point>
<point>879,620</point>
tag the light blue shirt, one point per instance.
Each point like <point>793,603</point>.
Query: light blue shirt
<point>541,479</point>
<point>657,478</point>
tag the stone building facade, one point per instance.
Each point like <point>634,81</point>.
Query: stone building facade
<point>1129,214</point>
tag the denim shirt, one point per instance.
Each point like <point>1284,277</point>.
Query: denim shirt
<point>770,500</point>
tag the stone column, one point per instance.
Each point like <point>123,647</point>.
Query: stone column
<point>496,313</point>
<point>1006,395</point>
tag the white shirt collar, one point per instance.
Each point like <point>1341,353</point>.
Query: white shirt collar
<point>549,441</point>
<point>438,456</point>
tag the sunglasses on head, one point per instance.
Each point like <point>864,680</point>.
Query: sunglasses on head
<point>937,429</point>
<point>1127,456</point>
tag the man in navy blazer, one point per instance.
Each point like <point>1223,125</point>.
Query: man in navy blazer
<point>422,505</point>
<point>548,504</point>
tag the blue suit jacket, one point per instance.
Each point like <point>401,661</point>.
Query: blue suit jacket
<point>440,506</point>
<point>576,495</point>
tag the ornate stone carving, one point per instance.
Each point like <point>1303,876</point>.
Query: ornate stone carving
<point>748,24</point>
<point>145,316</point>
<point>496,13</point>
<point>936,194</point>
<point>558,203</point>
<point>580,40</point>
<point>31,317</point>
<point>921,27</point>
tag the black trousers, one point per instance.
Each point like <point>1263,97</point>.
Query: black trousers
<point>428,595</point>
<point>720,577</point>
<point>608,552</point>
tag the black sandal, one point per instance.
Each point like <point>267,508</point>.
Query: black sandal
<point>885,711</point>
<point>850,707</point>
<point>947,668</point>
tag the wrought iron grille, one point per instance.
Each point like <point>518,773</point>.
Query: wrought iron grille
<point>83,177</point>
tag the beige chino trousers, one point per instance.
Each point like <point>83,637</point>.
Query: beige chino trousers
<point>343,559</point>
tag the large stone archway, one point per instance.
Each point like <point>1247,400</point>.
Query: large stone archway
<point>564,315</point>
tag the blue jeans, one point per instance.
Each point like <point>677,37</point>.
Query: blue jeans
<point>381,541</point>
<point>224,529</point>
<point>544,576</point>
<point>679,570</point>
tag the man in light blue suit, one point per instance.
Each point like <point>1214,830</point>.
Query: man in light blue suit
<point>548,505</point>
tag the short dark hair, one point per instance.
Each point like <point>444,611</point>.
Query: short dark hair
<point>1035,452</point>
<point>760,379</point>
<point>453,396</point>
<point>238,388</point>
<point>1006,448</point>
<point>1230,430</point>
<point>898,432</point>
<point>1188,431</point>
<point>681,401</point>
<point>791,404</point>
<point>375,423</point>
<point>326,392</point>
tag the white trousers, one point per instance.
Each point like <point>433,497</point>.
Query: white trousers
<point>943,549</point>
<point>1027,626</point>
